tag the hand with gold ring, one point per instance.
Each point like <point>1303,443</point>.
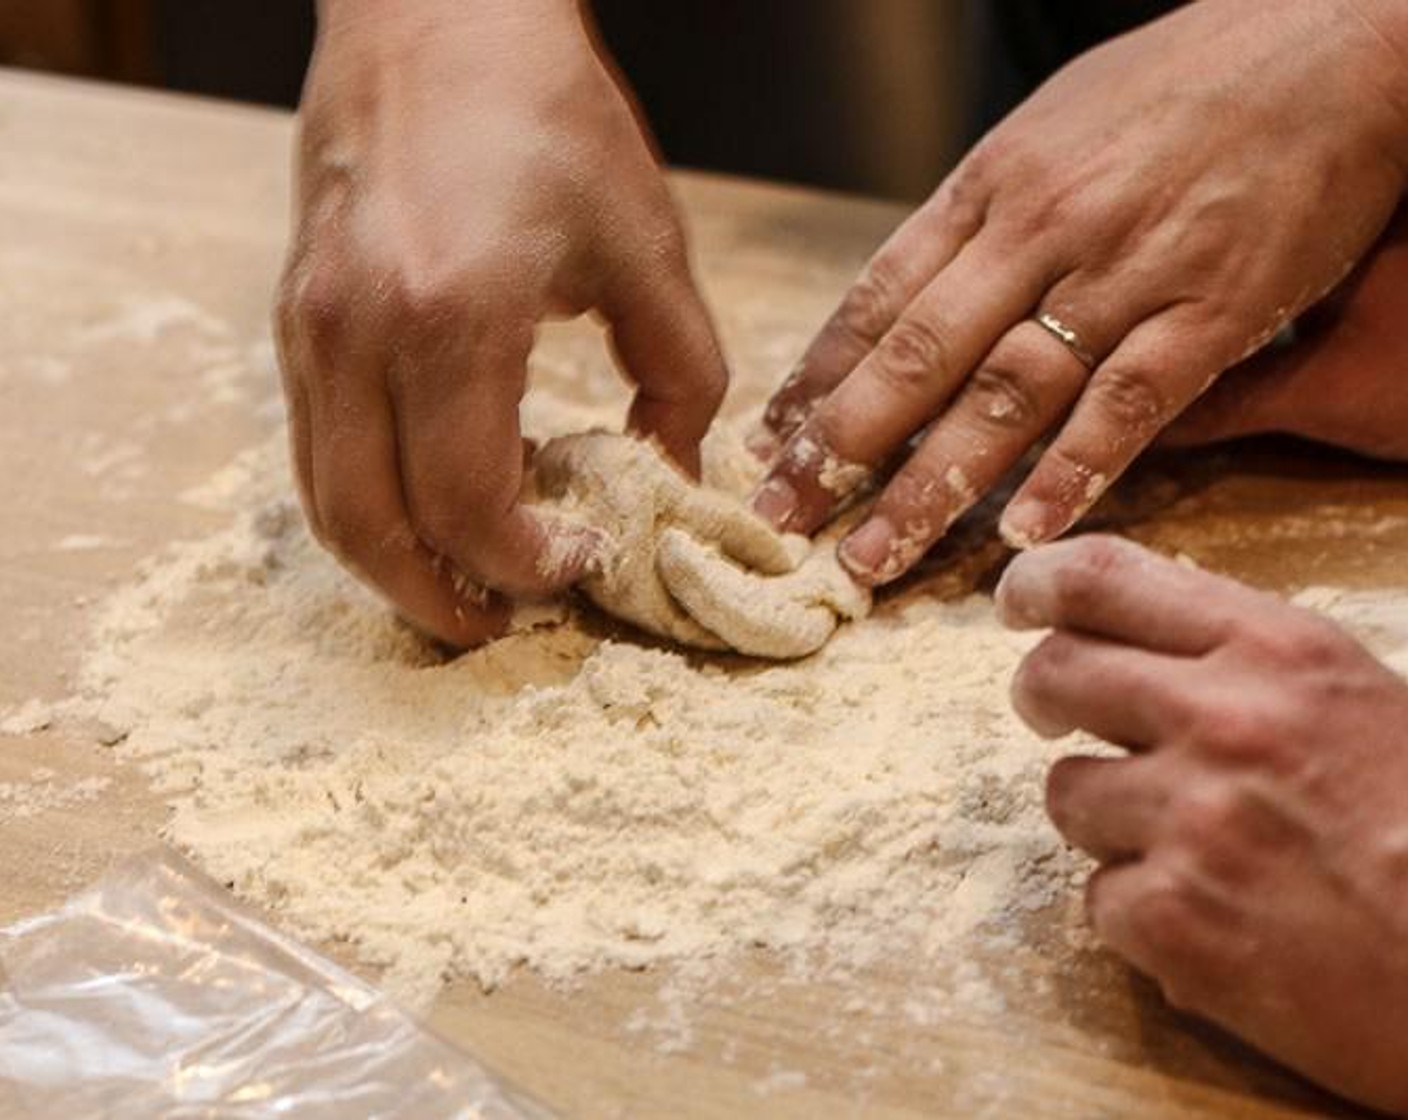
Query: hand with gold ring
<point>1151,216</point>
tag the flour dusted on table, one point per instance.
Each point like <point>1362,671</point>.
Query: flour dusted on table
<point>557,800</point>
<point>571,803</point>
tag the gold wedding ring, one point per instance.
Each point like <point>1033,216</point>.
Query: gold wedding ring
<point>1066,335</point>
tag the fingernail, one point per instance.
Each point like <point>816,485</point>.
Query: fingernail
<point>1012,610</point>
<point>868,549</point>
<point>762,444</point>
<point>776,502</point>
<point>1023,524</point>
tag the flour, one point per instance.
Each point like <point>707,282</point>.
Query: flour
<point>562,801</point>
<point>569,800</point>
<point>33,715</point>
<point>42,792</point>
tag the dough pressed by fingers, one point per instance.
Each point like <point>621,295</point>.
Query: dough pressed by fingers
<point>690,563</point>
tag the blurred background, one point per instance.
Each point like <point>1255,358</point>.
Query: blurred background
<point>874,96</point>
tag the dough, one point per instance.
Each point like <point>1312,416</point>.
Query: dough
<point>690,563</point>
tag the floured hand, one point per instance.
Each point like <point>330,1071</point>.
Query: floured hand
<point>1254,842</point>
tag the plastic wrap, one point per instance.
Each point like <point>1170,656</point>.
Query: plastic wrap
<point>154,995</point>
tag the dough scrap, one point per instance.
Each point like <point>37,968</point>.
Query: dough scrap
<point>690,563</point>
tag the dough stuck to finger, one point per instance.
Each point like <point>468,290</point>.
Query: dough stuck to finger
<point>689,563</point>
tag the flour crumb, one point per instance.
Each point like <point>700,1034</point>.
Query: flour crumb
<point>31,716</point>
<point>780,1080</point>
<point>82,542</point>
<point>42,792</point>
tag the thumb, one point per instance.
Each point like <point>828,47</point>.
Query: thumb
<point>665,343</point>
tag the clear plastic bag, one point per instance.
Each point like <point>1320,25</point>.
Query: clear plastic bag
<point>154,995</point>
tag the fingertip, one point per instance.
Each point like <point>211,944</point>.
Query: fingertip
<point>470,625</point>
<point>433,597</point>
<point>865,552</point>
<point>1023,524</point>
<point>660,425</point>
<point>1056,495</point>
<point>879,553</point>
<point>1022,598</point>
<point>666,345</point>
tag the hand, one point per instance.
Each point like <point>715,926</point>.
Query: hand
<point>465,170</point>
<point>1345,379</point>
<point>1254,844</point>
<point>1174,197</point>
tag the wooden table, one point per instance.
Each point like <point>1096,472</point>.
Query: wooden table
<point>107,195</point>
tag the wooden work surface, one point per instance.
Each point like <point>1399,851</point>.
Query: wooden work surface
<point>109,197</point>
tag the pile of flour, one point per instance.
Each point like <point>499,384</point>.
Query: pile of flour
<point>562,800</point>
<point>573,798</point>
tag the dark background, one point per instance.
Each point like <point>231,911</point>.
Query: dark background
<point>878,96</point>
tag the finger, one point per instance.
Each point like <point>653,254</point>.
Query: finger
<point>1124,695</point>
<point>1023,387</point>
<point>1156,372</point>
<point>344,452</point>
<point>1111,808</point>
<point>665,342</point>
<point>362,517</point>
<point>456,401</point>
<point>1157,917</point>
<point>1115,589</point>
<point>900,386</point>
<point>310,327</point>
<point>300,428</point>
<point>922,246</point>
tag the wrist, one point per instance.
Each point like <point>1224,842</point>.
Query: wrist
<point>378,15</point>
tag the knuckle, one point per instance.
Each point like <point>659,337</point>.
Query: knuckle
<point>963,194</point>
<point>422,297</point>
<point>314,305</point>
<point>994,158</point>
<point>1004,396</point>
<point>1162,917</point>
<point>1205,821</point>
<point>1306,643</point>
<point>914,353</point>
<point>869,307</point>
<point>1131,397</point>
<point>1240,729</point>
